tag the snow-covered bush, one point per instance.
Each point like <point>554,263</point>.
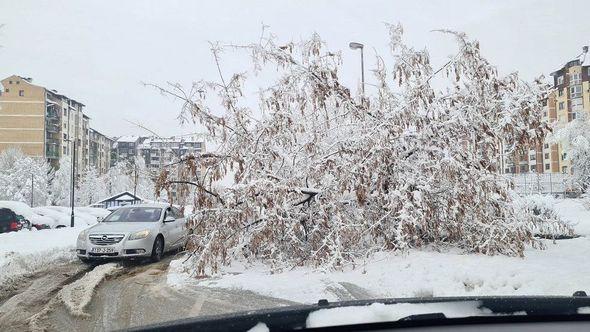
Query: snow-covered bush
<point>323,177</point>
<point>544,219</point>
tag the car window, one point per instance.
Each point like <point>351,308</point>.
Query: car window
<point>177,213</point>
<point>135,214</point>
<point>170,213</point>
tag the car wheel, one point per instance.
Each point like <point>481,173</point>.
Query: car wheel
<point>158,249</point>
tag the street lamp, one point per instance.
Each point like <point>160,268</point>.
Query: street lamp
<point>72,180</point>
<point>359,46</point>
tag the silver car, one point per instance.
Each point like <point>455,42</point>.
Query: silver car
<point>136,231</point>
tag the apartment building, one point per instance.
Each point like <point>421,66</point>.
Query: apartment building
<point>569,96</point>
<point>43,123</point>
<point>124,148</point>
<point>157,151</point>
<point>99,153</point>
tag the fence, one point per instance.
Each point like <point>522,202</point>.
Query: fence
<point>540,183</point>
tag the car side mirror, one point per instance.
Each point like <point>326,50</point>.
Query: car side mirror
<point>169,219</point>
<point>99,219</point>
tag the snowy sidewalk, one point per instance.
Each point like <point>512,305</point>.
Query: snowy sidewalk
<point>558,270</point>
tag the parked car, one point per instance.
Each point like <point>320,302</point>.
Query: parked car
<point>8,221</point>
<point>134,232</point>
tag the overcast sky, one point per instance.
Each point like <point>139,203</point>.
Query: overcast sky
<point>99,52</point>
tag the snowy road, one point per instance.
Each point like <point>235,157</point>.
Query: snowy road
<point>131,295</point>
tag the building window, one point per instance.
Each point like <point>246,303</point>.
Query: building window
<point>17,82</point>
<point>560,92</point>
<point>9,82</point>
<point>6,90</point>
<point>561,105</point>
<point>21,93</point>
<point>523,168</point>
<point>547,166</point>
<point>564,169</point>
<point>546,146</point>
<point>559,80</point>
<point>507,170</point>
<point>546,156</point>
<point>576,91</point>
<point>533,157</point>
<point>574,115</point>
<point>563,156</point>
<point>64,150</point>
<point>576,78</point>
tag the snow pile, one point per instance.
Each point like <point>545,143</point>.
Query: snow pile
<point>78,294</point>
<point>557,270</point>
<point>379,312</point>
<point>29,251</point>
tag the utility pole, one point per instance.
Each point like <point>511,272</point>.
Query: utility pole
<point>73,184</point>
<point>134,179</point>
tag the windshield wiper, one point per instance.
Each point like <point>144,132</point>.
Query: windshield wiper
<point>428,316</point>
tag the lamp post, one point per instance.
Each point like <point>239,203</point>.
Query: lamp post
<point>359,46</point>
<point>72,181</point>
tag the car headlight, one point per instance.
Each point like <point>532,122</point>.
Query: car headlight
<point>82,235</point>
<point>139,235</point>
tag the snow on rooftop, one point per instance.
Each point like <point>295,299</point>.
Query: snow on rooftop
<point>128,139</point>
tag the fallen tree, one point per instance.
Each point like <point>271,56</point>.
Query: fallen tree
<point>322,177</point>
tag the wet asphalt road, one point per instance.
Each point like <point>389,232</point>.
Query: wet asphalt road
<point>135,295</point>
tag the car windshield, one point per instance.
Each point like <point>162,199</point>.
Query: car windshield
<point>266,154</point>
<point>134,214</point>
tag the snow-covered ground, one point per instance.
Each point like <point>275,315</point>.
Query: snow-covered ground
<point>560,269</point>
<point>31,250</point>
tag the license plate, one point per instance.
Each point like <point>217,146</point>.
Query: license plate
<point>103,250</point>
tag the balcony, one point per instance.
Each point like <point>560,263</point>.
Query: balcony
<point>51,150</point>
<point>52,127</point>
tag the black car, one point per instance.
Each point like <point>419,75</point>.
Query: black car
<point>8,221</point>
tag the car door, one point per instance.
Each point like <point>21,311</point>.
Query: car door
<point>173,229</point>
<point>168,230</point>
<point>181,226</point>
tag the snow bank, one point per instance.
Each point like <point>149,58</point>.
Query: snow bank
<point>77,295</point>
<point>29,251</point>
<point>379,312</point>
<point>560,269</point>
